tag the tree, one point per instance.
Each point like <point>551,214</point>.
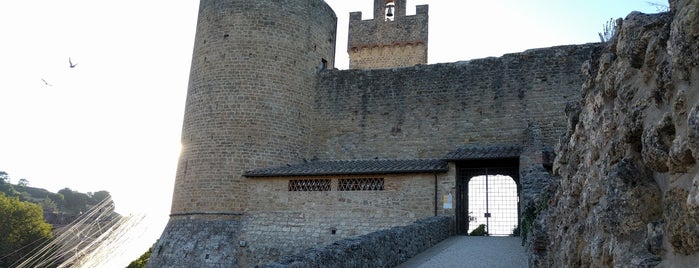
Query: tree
<point>6,186</point>
<point>49,205</point>
<point>607,31</point>
<point>97,197</point>
<point>4,177</point>
<point>74,201</point>
<point>59,200</point>
<point>23,182</point>
<point>659,7</point>
<point>22,227</point>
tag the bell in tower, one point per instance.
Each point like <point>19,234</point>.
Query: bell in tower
<point>389,11</point>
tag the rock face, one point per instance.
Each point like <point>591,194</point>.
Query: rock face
<point>628,194</point>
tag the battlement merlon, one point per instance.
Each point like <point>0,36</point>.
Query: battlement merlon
<point>399,13</point>
<point>421,10</point>
<point>355,16</point>
<point>379,32</point>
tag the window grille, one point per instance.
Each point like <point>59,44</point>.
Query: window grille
<point>309,185</point>
<point>361,184</point>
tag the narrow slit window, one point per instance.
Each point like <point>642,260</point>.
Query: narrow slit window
<point>323,64</point>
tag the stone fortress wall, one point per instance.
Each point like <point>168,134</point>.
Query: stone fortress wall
<point>426,111</point>
<point>259,96</point>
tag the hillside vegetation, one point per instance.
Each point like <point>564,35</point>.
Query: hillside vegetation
<point>36,220</point>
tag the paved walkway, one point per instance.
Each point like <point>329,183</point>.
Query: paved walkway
<point>472,251</point>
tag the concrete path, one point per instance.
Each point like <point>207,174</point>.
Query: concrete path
<point>472,251</point>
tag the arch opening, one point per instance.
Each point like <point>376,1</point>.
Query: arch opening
<point>499,181</point>
<point>493,202</point>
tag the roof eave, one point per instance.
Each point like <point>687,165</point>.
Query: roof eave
<point>380,172</point>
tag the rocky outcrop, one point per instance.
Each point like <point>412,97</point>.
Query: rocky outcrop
<point>628,194</point>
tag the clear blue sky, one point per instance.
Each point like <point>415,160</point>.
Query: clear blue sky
<point>113,122</point>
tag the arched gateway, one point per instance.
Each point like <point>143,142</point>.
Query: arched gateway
<point>488,194</point>
<point>487,188</point>
<point>493,204</point>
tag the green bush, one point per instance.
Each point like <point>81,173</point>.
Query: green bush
<point>141,261</point>
<point>515,231</point>
<point>531,211</point>
<point>479,231</point>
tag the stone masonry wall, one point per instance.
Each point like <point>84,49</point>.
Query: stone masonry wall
<point>628,194</point>
<point>427,111</point>
<point>250,96</point>
<point>202,242</point>
<point>249,105</point>
<point>378,43</point>
<point>283,222</point>
<point>388,56</point>
<point>257,98</point>
<point>385,248</point>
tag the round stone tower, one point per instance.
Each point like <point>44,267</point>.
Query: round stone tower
<point>249,105</point>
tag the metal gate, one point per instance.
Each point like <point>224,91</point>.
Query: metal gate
<point>488,196</point>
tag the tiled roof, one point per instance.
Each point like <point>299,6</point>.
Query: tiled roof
<point>352,167</point>
<point>473,152</point>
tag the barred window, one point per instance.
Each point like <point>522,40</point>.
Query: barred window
<point>309,185</point>
<point>361,184</point>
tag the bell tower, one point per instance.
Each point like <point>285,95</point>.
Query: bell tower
<point>390,39</point>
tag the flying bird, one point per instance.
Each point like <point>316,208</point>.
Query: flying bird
<point>47,83</point>
<point>71,63</point>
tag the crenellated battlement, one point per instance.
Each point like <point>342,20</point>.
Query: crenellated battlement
<point>390,39</point>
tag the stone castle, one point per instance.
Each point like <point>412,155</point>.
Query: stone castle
<point>282,152</point>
